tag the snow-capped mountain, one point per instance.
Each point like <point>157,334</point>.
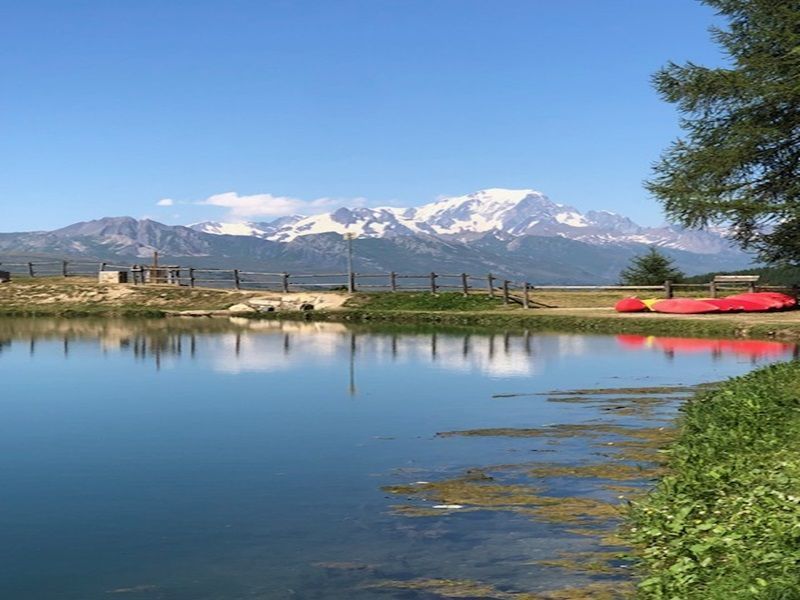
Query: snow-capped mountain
<point>464,218</point>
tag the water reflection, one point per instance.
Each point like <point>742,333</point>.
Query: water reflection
<point>754,350</point>
<point>242,345</point>
<point>134,463</point>
<point>239,345</point>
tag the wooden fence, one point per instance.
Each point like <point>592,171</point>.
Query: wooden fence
<point>509,291</point>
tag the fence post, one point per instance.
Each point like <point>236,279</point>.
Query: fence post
<point>490,280</point>
<point>236,281</point>
<point>433,282</point>
<point>505,291</point>
<point>795,291</point>
<point>30,269</point>
<point>668,288</point>
<point>712,289</point>
<point>102,267</point>
<point>393,281</point>
<point>751,287</point>
<point>351,282</point>
<point>63,268</point>
<point>285,282</point>
<point>465,284</point>
<point>191,276</point>
<point>525,299</point>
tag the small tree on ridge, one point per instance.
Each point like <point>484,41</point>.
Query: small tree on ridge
<point>652,268</point>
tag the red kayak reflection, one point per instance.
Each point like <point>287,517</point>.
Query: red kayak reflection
<point>675,345</point>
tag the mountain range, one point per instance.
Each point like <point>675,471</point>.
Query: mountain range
<point>518,234</point>
<point>464,218</point>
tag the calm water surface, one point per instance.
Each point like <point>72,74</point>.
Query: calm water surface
<point>246,460</point>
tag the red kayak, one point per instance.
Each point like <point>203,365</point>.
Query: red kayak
<point>788,301</point>
<point>736,305</point>
<point>765,299</point>
<point>683,306</point>
<point>726,304</point>
<point>630,305</point>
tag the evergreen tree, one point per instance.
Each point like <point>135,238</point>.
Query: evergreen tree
<point>739,162</point>
<point>652,268</point>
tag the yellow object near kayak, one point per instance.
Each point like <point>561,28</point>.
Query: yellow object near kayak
<point>650,301</point>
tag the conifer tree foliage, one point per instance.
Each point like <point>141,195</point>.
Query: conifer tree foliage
<point>739,160</point>
<point>652,268</point>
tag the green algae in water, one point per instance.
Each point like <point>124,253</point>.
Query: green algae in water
<point>598,562</point>
<point>607,470</point>
<point>632,456</point>
<point>468,490</point>
<point>465,588</point>
<point>471,493</point>
<point>622,391</point>
<point>592,430</point>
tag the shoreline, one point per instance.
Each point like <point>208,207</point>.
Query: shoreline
<point>770,326</point>
<point>557,311</point>
<point>567,321</point>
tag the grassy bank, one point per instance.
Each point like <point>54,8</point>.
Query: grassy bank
<point>725,521</point>
<point>557,311</point>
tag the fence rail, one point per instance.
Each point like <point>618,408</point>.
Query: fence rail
<point>509,291</point>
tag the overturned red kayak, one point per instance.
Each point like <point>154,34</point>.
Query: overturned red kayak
<point>737,305</point>
<point>630,305</point>
<point>765,299</point>
<point>727,305</point>
<point>786,300</point>
<point>683,306</point>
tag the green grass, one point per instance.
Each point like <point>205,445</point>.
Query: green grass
<point>725,522</point>
<point>75,312</point>
<point>450,301</point>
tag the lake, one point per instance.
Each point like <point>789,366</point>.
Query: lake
<point>208,459</point>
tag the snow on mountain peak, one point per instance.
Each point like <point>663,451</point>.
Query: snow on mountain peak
<point>514,212</point>
<point>228,228</point>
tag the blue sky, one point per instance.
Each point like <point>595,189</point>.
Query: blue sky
<point>108,107</point>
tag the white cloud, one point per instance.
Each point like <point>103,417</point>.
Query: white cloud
<point>267,205</point>
<point>165,202</point>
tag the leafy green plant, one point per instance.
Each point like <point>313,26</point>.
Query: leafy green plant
<point>725,522</point>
